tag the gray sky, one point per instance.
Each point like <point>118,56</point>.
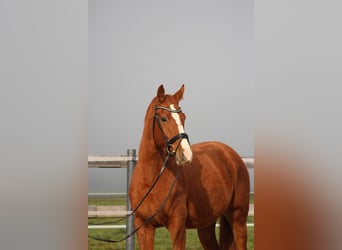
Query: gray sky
<point>134,47</point>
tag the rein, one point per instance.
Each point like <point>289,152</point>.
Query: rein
<point>168,143</point>
<point>141,202</point>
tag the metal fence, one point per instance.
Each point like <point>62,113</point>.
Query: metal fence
<point>128,161</point>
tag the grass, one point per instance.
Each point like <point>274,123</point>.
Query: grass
<point>162,237</point>
<point>107,201</point>
<point>251,198</point>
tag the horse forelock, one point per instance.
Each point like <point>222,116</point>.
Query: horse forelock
<point>169,100</point>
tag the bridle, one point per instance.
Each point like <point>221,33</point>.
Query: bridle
<point>169,142</point>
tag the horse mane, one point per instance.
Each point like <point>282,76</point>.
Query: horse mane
<point>148,126</point>
<point>148,121</point>
<point>150,110</point>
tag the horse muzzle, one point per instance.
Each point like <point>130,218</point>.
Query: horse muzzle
<point>184,155</point>
<point>182,150</point>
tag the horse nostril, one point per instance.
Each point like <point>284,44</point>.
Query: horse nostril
<point>183,155</point>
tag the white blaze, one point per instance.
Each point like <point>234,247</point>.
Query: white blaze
<point>184,143</point>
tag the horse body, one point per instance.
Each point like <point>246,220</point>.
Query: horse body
<point>211,180</point>
<point>214,183</point>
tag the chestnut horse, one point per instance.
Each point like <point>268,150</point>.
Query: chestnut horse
<point>191,186</point>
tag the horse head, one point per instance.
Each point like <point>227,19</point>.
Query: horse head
<point>168,126</point>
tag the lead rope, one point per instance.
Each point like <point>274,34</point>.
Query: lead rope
<point>140,203</point>
<point>142,200</point>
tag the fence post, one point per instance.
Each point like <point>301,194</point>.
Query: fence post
<point>129,222</point>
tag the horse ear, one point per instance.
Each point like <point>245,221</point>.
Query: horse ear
<point>161,93</point>
<point>179,94</point>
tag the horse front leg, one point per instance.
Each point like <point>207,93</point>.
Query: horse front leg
<point>145,234</point>
<point>176,228</point>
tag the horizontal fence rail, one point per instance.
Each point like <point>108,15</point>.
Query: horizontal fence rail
<point>110,161</point>
<point>98,211</point>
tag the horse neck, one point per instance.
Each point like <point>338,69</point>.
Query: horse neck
<point>150,157</point>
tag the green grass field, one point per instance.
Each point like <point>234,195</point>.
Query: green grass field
<point>162,237</point>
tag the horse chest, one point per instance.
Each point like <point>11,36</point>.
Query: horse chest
<point>164,200</point>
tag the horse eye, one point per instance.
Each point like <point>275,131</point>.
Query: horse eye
<point>163,119</point>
